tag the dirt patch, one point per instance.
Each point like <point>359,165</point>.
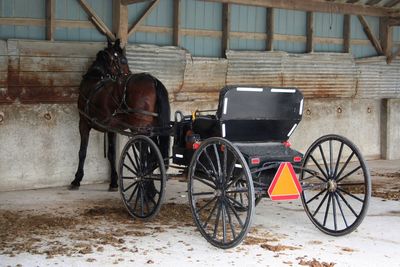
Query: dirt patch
<point>86,230</point>
<point>386,185</point>
<point>277,248</point>
<point>315,263</point>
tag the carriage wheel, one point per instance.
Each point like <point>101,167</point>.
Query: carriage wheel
<point>218,176</point>
<point>142,177</point>
<point>336,185</point>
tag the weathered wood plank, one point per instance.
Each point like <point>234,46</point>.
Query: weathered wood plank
<point>270,29</point>
<point>44,79</point>
<point>385,36</point>
<point>374,41</point>
<point>317,6</point>
<point>226,28</point>
<point>346,33</point>
<point>176,23</point>
<point>144,15</point>
<point>310,32</point>
<point>120,21</point>
<point>392,3</point>
<point>53,94</point>
<point>50,19</point>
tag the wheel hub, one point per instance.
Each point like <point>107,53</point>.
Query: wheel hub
<point>331,186</point>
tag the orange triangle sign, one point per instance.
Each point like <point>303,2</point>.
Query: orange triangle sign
<point>285,185</point>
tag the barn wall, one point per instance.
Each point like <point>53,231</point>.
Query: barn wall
<point>38,90</point>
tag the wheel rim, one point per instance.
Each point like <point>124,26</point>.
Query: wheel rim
<point>336,185</point>
<point>218,177</point>
<point>142,177</point>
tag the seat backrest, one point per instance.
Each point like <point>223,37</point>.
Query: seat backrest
<point>259,114</point>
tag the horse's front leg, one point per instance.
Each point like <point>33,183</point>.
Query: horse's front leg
<point>111,157</point>
<point>84,130</point>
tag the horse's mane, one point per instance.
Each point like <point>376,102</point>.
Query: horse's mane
<point>98,67</point>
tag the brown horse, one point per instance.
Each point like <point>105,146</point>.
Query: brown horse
<point>110,97</point>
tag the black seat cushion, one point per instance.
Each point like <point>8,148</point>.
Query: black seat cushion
<point>206,126</point>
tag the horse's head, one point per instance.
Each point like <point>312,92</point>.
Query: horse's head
<point>111,60</point>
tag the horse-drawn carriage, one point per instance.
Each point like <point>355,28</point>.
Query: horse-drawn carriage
<point>234,156</point>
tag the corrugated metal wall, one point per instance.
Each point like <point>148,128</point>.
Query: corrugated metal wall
<point>205,17</point>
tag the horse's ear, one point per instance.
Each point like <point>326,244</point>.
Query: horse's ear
<point>109,42</point>
<point>117,44</point>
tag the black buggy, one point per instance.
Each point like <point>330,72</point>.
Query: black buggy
<point>231,156</point>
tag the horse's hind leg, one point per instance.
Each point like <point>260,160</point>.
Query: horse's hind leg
<point>84,130</point>
<point>111,157</point>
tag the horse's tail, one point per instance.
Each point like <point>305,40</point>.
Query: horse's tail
<point>164,118</point>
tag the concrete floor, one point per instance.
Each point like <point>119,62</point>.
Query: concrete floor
<point>168,242</point>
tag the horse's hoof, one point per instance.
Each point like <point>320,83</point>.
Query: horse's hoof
<point>73,187</point>
<point>113,189</point>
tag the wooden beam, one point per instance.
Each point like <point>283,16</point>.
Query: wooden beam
<point>374,41</point>
<point>176,23</point>
<point>346,33</point>
<point>393,22</point>
<point>50,19</point>
<point>385,36</point>
<point>352,1</point>
<point>373,2</point>
<point>128,2</point>
<point>270,29</point>
<point>226,28</point>
<point>96,20</point>
<point>310,32</point>
<point>392,3</point>
<point>146,13</point>
<point>393,55</point>
<point>120,21</point>
<point>317,6</point>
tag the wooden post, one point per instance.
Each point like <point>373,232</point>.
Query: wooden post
<point>310,32</point>
<point>50,19</point>
<point>177,23</point>
<point>120,21</point>
<point>347,33</point>
<point>226,28</point>
<point>370,35</point>
<point>270,29</point>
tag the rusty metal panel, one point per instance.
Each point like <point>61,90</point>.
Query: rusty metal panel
<point>165,63</point>
<point>43,72</point>
<point>203,78</point>
<point>377,79</point>
<point>321,74</point>
<point>254,68</point>
<point>316,75</point>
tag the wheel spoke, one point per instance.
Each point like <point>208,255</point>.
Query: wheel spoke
<point>320,204</point>
<point>203,193</point>
<point>235,213</point>
<point>351,195</point>
<point>129,168</point>
<point>319,167</point>
<point>317,195</point>
<point>206,205</point>
<point>204,182</point>
<point>345,165</point>
<point>128,177</point>
<point>217,160</point>
<point>347,204</point>
<point>324,160</point>
<point>314,186</point>
<point>223,223</point>
<point>350,184</point>
<point>141,200</point>
<point>334,212</point>
<point>133,164</point>
<point>230,221</point>
<point>137,160</point>
<point>137,196</point>
<point>236,202</point>
<point>133,193</point>
<point>205,170</point>
<point>225,164</point>
<point>210,215</point>
<point>210,162</point>
<point>330,157</point>
<point>327,208</point>
<point>130,186</point>
<point>338,159</point>
<point>217,219</point>
<point>152,178</point>
<point>241,190</point>
<point>313,174</point>
<point>340,208</point>
<point>348,174</point>
<point>234,181</point>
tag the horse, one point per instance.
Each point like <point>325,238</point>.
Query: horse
<point>111,97</point>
